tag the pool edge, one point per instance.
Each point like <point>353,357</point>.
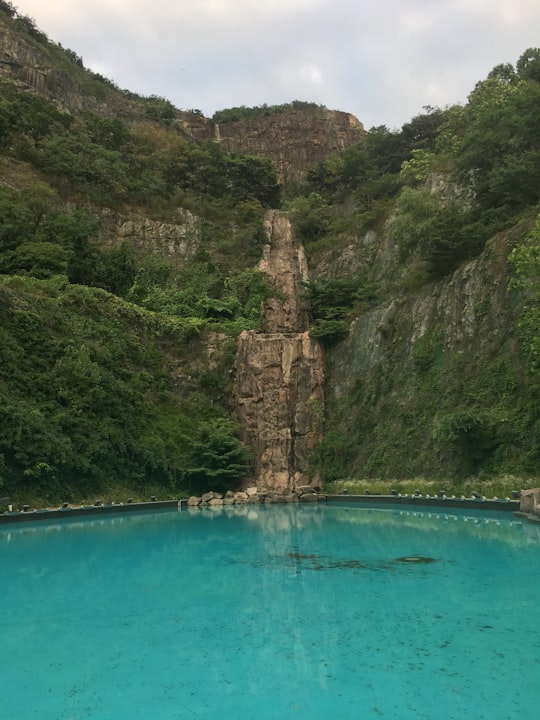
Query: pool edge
<point>88,511</point>
<point>439,502</point>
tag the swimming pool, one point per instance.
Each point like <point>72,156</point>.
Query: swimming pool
<point>263,612</point>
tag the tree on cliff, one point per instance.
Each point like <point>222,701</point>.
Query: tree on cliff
<point>8,8</point>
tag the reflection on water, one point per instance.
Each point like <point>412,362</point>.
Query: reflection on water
<point>307,611</point>
<point>500,526</point>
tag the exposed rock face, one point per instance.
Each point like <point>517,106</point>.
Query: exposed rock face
<point>279,373</point>
<point>376,256</point>
<point>469,310</point>
<point>407,362</point>
<point>177,240</point>
<point>29,66</point>
<point>279,395</point>
<point>284,261</point>
<point>530,501</point>
<point>295,140</point>
<point>33,66</point>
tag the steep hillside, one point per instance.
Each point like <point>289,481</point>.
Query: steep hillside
<point>426,289</point>
<point>433,382</point>
<point>293,140</point>
<point>36,63</point>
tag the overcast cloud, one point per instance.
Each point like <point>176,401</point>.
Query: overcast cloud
<point>381,60</point>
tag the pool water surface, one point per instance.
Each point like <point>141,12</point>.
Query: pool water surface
<point>272,612</point>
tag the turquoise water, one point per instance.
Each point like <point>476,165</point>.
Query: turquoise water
<point>281,612</point>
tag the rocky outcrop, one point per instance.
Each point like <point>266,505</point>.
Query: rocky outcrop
<point>294,140</point>
<point>430,367</point>
<point>284,262</point>
<point>252,496</point>
<point>530,501</point>
<point>467,311</point>
<point>279,372</point>
<point>279,399</point>
<point>377,257</point>
<point>174,240</point>
<point>47,69</point>
<point>29,65</point>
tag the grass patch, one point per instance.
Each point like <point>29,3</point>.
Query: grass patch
<point>500,487</point>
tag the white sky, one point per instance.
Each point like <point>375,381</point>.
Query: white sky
<point>381,60</point>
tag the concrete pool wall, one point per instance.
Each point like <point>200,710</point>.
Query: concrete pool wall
<point>177,505</point>
<point>87,511</point>
<point>526,507</point>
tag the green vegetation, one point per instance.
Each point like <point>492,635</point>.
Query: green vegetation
<point>102,161</point>
<point>449,411</point>
<point>446,416</point>
<point>201,293</point>
<point>92,335</point>
<point>8,8</point>
<point>88,401</point>
<point>525,258</point>
<point>253,113</point>
<point>362,180</point>
<point>332,302</point>
<point>441,235</point>
<point>488,149</point>
<point>500,487</point>
<point>106,380</point>
<point>499,155</point>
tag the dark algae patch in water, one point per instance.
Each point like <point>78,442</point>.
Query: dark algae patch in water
<point>317,562</point>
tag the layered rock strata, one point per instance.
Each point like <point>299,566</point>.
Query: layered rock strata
<point>279,372</point>
<point>295,140</point>
<point>174,240</point>
<point>44,68</point>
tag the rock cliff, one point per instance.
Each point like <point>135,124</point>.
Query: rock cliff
<point>284,261</point>
<point>469,311</point>
<point>429,378</point>
<point>174,240</point>
<point>279,372</point>
<point>45,68</point>
<point>295,140</point>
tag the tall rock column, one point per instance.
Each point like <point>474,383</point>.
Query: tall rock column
<point>279,371</point>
